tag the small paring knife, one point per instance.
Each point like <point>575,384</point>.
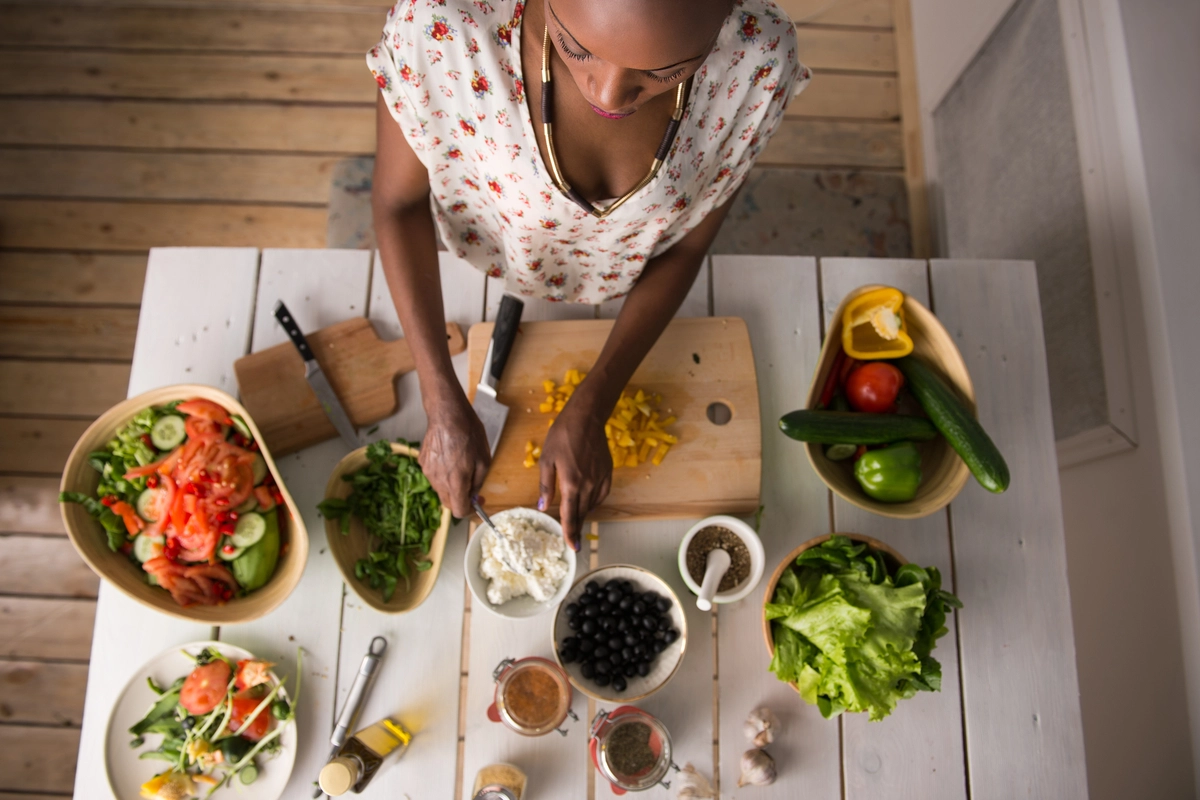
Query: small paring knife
<point>490,411</point>
<point>320,385</point>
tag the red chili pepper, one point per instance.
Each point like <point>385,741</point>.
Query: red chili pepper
<point>108,499</point>
<point>253,446</point>
<point>222,516</point>
<point>220,502</point>
<point>188,488</point>
<point>277,496</point>
<point>228,548</point>
<point>233,515</point>
<point>831,380</point>
<point>860,452</point>
<point>146,440</point>
<point>171,549</point>
<point>847,367</point>
<point>227,528</point>
<point>203,473</point>
<point>152,481</point>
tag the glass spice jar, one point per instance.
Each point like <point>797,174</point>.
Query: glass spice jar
<point>532,696</point>
<point>631,749</point>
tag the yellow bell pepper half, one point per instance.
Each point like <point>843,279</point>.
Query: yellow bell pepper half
<point>873,326</point>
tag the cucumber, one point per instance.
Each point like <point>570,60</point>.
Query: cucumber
<point>260,469</point>
<point>254,568</point>
<point>249,505</point>
<point>846,427</point>
<point>146,501</point>
<point>955,421</point>
<point>237,551</point>
<point>250,528</point>
<point>841,451</point>
<point>240,425</point>
<point>168,432</point>
<point>147,547</point>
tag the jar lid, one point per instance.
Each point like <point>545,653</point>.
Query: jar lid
<point>338,776</point>
<point>495,792</point>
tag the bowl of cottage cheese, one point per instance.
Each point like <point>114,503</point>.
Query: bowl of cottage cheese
<point>521,569</point>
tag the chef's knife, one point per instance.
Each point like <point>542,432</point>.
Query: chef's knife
<point>326,396</point>
<point>363,681</point>
<point>491,412</point>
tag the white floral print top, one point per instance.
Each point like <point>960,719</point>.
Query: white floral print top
<point>450,71</point>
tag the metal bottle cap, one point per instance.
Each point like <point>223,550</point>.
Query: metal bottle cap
<point>495,792</point>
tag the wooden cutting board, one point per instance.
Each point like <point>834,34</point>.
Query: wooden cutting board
<point>715,469</point>
<point>361,368</point>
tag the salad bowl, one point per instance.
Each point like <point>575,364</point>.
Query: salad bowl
<point>90,540</point>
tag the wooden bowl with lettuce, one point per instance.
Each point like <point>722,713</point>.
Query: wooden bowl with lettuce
<point>851,625</point>
<point>386,526</point>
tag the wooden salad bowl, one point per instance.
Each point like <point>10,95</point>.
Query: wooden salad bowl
<point>356,544</point>
<point>90,541</point>
<point>791,560</point>
<point>943,473</point>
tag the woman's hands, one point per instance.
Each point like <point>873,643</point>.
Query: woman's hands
<point>454,454</point>
<point>575,457</point>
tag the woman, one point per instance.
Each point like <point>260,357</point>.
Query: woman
<point>656,108</point>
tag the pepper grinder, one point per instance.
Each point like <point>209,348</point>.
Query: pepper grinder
<point>715,568</point>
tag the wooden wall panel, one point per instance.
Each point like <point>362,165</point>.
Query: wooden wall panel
<point>810,142</point>
<point>848,96</point>
<point>30,505</point>
<point>72,278</point>
<point>61,388</point>
<point>47,566</point>
<point>38,758</point>
<point>61,332</point>
<point>865,13</point>
<point>42,693</point>
<point>37,445</point>
<point>34,627</point>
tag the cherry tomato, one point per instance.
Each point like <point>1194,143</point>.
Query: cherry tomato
<point>873,387</point>
<point>244,703</point>
<point>204,689</point>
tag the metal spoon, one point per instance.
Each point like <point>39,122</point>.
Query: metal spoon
<point>499,554</point>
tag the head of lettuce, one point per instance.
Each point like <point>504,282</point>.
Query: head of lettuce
<point>855,634</point>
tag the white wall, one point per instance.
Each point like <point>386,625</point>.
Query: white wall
<point>948,34</point>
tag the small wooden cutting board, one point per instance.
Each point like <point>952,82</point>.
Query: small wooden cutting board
<point>715,469</point>
<point>361,368</point>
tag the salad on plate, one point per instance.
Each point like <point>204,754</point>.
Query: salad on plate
<point>185,492</point>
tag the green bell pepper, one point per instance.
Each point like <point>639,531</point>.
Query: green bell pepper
<point>890,474</point>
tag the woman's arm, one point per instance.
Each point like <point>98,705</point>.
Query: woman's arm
<point>575,454</point>
<point>454,453</point>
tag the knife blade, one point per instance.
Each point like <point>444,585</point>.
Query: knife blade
<point>491,412</point>
<point>316,378</point>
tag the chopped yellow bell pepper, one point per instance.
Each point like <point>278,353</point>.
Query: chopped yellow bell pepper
<point>873,326</point>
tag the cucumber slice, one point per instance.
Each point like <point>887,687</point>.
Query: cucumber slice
<point>146,503</point>
<point>260,469</point>
<point>168,432</point>
<point>248,774</point>
<point>237,551</point>
<point>240,425</point>
<point>147,547</point>
<point>250,528</point>
<point>840,452</point>
<point>247,506</point>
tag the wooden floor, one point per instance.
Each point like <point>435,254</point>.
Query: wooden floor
<point>139,123</point>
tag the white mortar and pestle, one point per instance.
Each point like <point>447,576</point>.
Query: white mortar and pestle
<point>719,560</point>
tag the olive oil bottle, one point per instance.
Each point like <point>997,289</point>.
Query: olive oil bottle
<point>361,756</point>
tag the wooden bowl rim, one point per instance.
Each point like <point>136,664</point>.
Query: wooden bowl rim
<point>339,543</point>
<point>881,546</point>
<point>921,507</point>
<point>243,609</point>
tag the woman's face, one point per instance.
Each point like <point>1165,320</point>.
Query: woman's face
<point>622,53</point>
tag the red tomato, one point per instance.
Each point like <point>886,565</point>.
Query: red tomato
<point>204,689</point>
<point>244,703</point>
<point>873,387</point>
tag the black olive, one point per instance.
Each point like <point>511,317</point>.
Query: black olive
<point>660,636</point>
<point>585,599</point>
<point>574,623</point>
<point>601,652</point>
<point>627,653</point>
<point>616,659</point>
<point>608,624</point>
<point>630,669</point>
<point>586,669</point>
<point>622,624</point>
<point>649,623</point>
<point>600,637</point>
<point>626,587</point>
<point>188,722</point>
<point>618,683</point>
<point>671,636</point>
<point>625,604</point>
<point>606,607</point>
<point>602,667</point>
<point>610,585</point>
<point>650,598</point>
<point>601,679</point>
<point>572,609</point>
<point>613,596</point>
<point>586,646</point>
<point>638,607</point>
<point>591,611</point>
<point>631,639</point>
<point>616,643</point>
<point>663,604</point>
<point>643,668</point>
<point>569,656</point>
<point>571,641</point>
<point>664,623</point>
<point>638,649</point>
<point>592,587</point>
<point>659,647</point>
<point>589,626</point>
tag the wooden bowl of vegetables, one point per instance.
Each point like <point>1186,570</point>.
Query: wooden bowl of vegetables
<point>385,525</point>
<point>910,453</point>
<point>113,516</point>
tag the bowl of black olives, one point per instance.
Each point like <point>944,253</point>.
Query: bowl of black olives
<point>620,633</point>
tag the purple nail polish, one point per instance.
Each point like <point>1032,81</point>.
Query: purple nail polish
<point>541,504</point>
<point>576,544</point>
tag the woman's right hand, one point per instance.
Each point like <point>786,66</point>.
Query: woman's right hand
<point>454,454</point>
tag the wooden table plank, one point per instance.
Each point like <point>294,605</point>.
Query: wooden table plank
<point>61,388</point>
<point>1020,687</point>
<point>418,683</point>
<point>47,566</point>
<point>919,750</point>
<point>777,296</point>
<point>42,693</point>
<point>192,337</point>
<point>535,309</point>
<point>348,130</point>
<point>62,332</point>
<point>45,628</point>
<point>38,758</point>
<point>684,705</point>
<point>30,505</point>
<point>71,278</point>
<point>36,444</point>
<point>320,287</point>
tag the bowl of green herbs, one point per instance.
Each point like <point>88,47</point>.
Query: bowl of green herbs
<point>386,526</point>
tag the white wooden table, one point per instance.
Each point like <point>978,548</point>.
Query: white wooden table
<point>1005,725</point>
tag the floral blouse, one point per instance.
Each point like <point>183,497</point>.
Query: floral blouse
<point>450,71</point>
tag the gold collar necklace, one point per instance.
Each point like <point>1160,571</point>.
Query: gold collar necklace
<point>660,155</point>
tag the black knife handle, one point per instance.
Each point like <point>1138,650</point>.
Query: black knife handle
<point>293,331</point>
<point>505,332</point>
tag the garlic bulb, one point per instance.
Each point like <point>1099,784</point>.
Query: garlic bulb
<point>760,727</point>
<point>691,785</point>
<point>758,769</point>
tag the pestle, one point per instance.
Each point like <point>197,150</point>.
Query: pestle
<point>714,569</point>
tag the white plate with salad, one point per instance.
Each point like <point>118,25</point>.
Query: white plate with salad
<point>202,720</point>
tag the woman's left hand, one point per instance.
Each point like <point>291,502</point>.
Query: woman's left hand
<point>575,457</point>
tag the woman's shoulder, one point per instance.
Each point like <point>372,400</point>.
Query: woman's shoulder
<point>757,36</point>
